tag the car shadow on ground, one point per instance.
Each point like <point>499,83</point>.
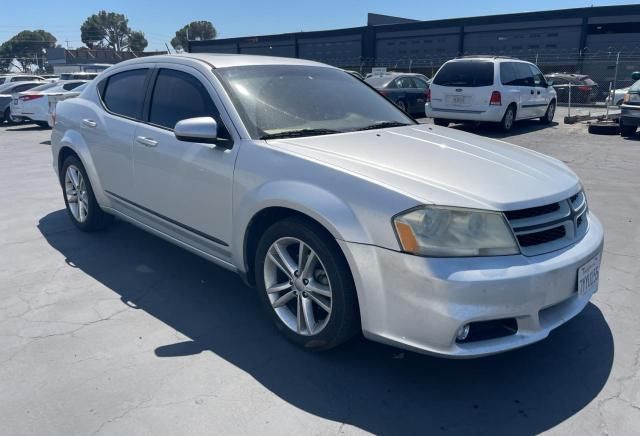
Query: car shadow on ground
<point>493,131</point>
<point>26,128</point>
<point>370,386</point>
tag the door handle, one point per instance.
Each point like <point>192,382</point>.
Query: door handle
<point>147,142</point>
<point>89,123</point>
<point>532,92</point>
<point>538,92</point>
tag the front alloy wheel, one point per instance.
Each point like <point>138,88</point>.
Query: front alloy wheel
<point>305,284</point>
<point>298,286</point>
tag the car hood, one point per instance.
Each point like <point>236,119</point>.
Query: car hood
<point>443,166</point>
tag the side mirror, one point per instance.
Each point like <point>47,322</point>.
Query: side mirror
<point>549,82</point>
<point>635,75</point>
<point>202,129</point>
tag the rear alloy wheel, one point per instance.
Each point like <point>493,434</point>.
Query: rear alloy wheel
<point>305,285</point>
<point>508,119</point>
<point>402,105</point>
<point>548,116</point>
<point>82,207</point>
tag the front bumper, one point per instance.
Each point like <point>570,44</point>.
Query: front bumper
<point>492,114</point>
<point>419,303</point>
<point>630,115</point>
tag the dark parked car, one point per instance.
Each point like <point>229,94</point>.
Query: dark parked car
<point>407,90</point>
<point>583,88</point>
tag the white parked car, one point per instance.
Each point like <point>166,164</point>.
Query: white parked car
<point>490,89</point>
<point>54,99</point>
<point>6,95</point>
<point>33,105</point>
<point>8,78</point>
<point>345,213</point>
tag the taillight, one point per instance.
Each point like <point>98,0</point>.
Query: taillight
<point>496,99</point>
<point>427,96</point>
<point>584,88</point>
<point>30,97</point>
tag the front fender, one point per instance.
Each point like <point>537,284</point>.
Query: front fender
<point>311,200</point>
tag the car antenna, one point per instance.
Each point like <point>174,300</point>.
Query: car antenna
<point>166,45</point>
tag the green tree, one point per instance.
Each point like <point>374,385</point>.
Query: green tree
<point>111,30</point>
<point>137,41</point>
<point>28,48</point>
<point>196,30</point>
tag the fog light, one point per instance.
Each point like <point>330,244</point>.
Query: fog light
<point>463,332</point>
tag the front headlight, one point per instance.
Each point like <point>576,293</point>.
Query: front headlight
<point>454,232</point>
<point>631,98</point>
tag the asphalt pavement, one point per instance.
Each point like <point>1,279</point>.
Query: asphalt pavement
<point>122,333</point>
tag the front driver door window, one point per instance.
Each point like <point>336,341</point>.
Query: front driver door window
<point>184,187</point>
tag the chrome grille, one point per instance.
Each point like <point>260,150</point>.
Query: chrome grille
<point>550,227</point>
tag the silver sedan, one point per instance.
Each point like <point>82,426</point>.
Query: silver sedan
<point>344,213</point>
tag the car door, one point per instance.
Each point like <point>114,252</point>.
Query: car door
<point>109,130</point>
<point>541,98</point>
<point>523,83</point>
<point>185,188</point>
<point>404,86</point>
<point>419,92</point>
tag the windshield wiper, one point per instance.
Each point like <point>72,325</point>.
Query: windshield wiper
<point>299,133</point>
<point>382,125</point>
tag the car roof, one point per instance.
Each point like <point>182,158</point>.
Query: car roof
<point>485,58</point>
<point>571,75</point>
<point>220,60</point>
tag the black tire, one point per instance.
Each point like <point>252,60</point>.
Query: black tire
<point>7,117</point>
<point>343,322</point>
<point>604,128</point>
<point>549,114</point>
<point>440,122</point>
<point>402,105</point>
<point>508,119</point>
<point>42,124</point>
<point>627,131</point>
<point>96,218</point>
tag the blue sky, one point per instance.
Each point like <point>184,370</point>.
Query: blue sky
<point>160,19</point>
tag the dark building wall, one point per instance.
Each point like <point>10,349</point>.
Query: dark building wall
<point>562,37</point>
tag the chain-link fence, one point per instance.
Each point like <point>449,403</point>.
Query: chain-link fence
<point>581,78</point>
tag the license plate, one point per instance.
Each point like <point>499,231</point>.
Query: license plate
<point>588,276</point>
<point>458,99</point>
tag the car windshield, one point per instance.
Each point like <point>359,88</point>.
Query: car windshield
<point>295,100</point>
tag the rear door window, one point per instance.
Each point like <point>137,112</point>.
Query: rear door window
<point>465,74</point>
<point>516,74</point>
<point>123,93</point>
<point>404,83</point>
<point>420,84</point>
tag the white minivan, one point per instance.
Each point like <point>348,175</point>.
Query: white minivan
<point>490,89</point>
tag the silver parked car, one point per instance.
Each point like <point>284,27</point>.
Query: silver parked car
<point>343,212</point>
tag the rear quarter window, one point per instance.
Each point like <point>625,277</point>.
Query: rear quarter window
<point>123,93</point>
<point>465,74</point>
